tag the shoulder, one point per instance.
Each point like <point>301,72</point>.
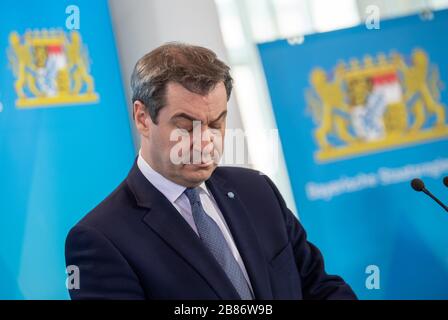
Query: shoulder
<point>238,174</point>
<point>110,211</point>
<point>249,182</point>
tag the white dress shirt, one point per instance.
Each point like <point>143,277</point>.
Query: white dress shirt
<point>175,194</point>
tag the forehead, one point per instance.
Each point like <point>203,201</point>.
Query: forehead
<point>179,99</point>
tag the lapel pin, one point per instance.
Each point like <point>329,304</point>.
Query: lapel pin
<point>231,195</point>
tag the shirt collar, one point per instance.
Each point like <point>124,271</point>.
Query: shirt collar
<point>171,190</point>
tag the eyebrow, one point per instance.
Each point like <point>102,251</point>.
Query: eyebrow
<point>189,117</point>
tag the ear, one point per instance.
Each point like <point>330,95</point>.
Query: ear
<point>142,118</point>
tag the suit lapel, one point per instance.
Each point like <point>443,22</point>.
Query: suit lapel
<point>163,218</point>
<point>244,235</point>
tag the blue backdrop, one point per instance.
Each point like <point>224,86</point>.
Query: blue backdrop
<point>360,113</point>
<point>64,145</point>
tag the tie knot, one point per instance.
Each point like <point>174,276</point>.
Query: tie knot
<point>192,195</point>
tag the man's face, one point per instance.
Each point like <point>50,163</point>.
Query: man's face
<point>187,141</point>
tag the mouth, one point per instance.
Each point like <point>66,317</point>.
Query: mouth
<point>202,165</point>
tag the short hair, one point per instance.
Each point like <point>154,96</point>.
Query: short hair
<point>196,68</point>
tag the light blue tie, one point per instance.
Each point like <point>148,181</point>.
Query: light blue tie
<point>214,240</point>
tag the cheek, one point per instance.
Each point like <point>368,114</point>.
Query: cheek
<point>163,139</point>
<point>161,144</point>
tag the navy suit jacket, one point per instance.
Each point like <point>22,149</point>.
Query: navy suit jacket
<point>136,245</point>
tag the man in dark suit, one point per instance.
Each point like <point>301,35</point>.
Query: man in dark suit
<point>179,226</point>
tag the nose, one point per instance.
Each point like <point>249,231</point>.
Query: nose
<point>199,142</point>
<point>207,137</point>
<point>207,146</point>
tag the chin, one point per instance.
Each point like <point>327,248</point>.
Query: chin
<point>198,174</point>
